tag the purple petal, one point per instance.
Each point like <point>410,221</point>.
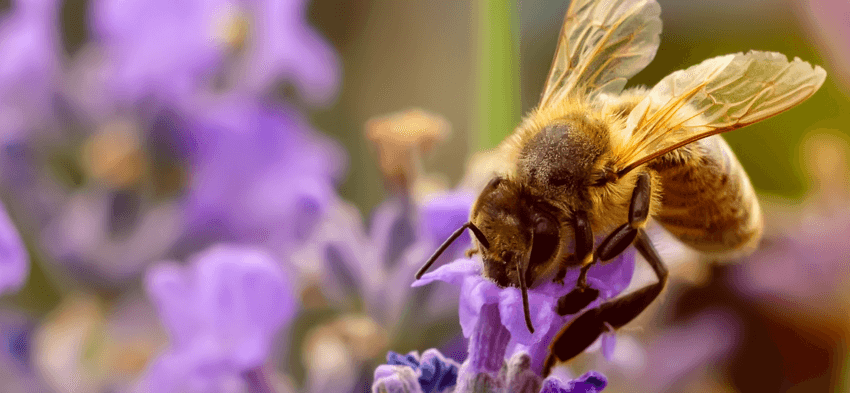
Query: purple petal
<point>614,276</point>
<point>256,167</point>
<point>609,342</point>
<point>168,286</point>
<point>30,49</point>
<point>444,213</point>
<point>396,359</point>
<point>230,300</point>
<point>392,231</point>
<point>164,49</point>
<point>541,307</point>
<point>438,373</point>
<point>14,260</point>
<point>488,341</point>
<point>453,273</point>
<point>590,382</point>
<point>396,379</point>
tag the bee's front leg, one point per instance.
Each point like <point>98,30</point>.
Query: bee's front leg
<point>582,295</point>
<point>472,251</point>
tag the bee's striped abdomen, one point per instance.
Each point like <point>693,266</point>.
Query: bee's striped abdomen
<point>707,200</point>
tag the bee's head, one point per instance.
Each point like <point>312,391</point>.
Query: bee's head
<point>522,234</point>
<point>518,236</point>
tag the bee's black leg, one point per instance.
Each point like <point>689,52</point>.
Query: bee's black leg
<point>584,330</point>
<point>562,270</point>
<point>582,295</point>
<point>579,297</point>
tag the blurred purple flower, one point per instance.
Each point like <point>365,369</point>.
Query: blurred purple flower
<point>107,237</point>
<point>378,267</point>
<point>482,298</point>
<point>14,260</point>
<point>816,256</point>
<point>17,371</point>
<point>222,313</point>
<point>677,356</point>
<point>29,72</point>
<point>260,174</point>
<point>179,50</point>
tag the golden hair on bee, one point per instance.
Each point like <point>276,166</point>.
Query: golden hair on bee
<point>595,160</point>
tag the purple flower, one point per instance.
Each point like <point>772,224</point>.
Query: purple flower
<point>260,174</point>
<point>107,237</point>
<point>14,260</point>
<point>482,298</point>
<point>222,313</point>
<point>30,49</point>
<point>816,256</point>
<point>188,49</point>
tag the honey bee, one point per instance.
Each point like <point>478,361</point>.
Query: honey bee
<point>593,158</point>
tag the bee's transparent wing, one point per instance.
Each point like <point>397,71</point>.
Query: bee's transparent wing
<point>718,95</point>
<point>602,44</point>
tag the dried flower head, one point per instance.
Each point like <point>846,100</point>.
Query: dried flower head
<point>401,139</point>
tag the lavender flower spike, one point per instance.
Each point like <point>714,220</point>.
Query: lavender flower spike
<point>222,313</point>
<point>407,374</point>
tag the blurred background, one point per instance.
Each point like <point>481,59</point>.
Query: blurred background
<point>158,158</point>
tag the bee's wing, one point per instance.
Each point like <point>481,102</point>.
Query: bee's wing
<point>718,95</point>
<point>601,45</point>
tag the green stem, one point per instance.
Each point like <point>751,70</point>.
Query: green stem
<point>498,106</point>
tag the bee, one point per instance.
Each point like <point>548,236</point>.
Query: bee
<point>594,158</point>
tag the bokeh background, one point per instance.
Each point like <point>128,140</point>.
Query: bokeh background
<point>170,166</point>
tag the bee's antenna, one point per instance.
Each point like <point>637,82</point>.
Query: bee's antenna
<point>520,272</point>
<point>478,235</point>
<point>448,242</point>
